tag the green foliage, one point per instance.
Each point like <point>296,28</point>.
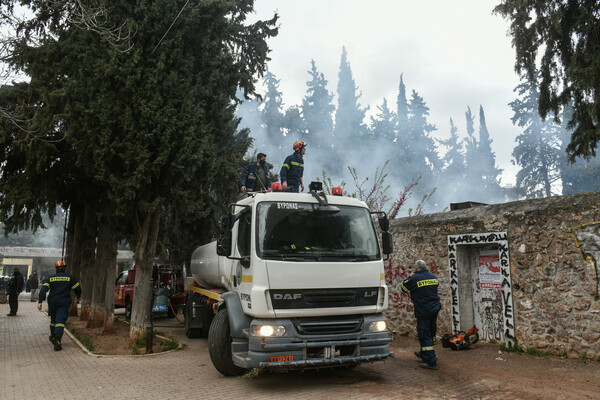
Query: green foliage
<point>171,343</point>
<point>137,344</point>
<point>515,348</point>
<point>567,34</point>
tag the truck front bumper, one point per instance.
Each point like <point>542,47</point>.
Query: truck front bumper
<point>297,351</point>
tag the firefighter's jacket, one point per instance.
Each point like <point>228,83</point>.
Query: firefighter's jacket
<point>292,169</point>
<point>60,286</point>
<point>423,290</point>
<point>250,177</point>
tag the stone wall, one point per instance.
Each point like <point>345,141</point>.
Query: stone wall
<point>548,298</point>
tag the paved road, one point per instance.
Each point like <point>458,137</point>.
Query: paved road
<point>30,369</point>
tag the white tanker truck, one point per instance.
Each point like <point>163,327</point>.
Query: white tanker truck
<point>294,281</point>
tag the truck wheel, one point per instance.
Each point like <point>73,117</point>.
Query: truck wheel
<point>189,331</point>
<point>219,346</point>
<point>127,308</point>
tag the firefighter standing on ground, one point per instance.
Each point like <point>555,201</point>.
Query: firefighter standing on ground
<point>293,168</point>
<point>15,287</point>
<point>423,289</point>
<point>59,301</point>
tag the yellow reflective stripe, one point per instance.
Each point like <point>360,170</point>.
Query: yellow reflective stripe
<point>297,164</point>
<point>427,282</point>
<point>60,325</point>
<point>247,278</point>
<point>427,348</point>
<point>75,285</point>
<point>287,166</point>
<point>60,279</point>
<point>52,325</point>
<point>47,285</point>
<point>405,288</point>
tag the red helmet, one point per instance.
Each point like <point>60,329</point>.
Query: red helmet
<point>298,145</point>
<point>60,264</point>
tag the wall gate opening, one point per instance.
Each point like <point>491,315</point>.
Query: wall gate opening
<point>480,284</point>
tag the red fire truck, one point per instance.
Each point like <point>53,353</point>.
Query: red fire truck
<point>166,280</point>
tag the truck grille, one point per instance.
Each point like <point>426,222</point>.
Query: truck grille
<point>328,326</point>
<point>323,298</point>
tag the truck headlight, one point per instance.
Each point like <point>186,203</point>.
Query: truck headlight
<point>378,326</point>
<point>268,330</point>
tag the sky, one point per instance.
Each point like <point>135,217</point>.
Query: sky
<point>454,53</point>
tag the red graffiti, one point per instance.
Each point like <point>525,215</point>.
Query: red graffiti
<point>392,272</point>
<point>402,301</point>
<point>433,268</point>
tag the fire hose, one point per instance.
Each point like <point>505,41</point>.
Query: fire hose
<point>175,313</point>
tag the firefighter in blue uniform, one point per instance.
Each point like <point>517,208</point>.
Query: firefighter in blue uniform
<point>293,168</point>
<point>59,301</point>
<point>423,289</point>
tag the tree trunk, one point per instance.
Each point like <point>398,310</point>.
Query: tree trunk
<point>73,248</point>
<point>101,270</point>
<point>144,252</point>
<point>88,257</point>
<point>106,262</point>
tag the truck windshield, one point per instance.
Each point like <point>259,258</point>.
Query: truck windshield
<point>298,231</point>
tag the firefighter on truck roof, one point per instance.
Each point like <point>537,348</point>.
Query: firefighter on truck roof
<point>293,168</point>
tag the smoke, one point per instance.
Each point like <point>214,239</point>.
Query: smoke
<point>368,153</point>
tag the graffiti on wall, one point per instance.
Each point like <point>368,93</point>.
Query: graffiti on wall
<point>587,240</point>
<point>504,295</point>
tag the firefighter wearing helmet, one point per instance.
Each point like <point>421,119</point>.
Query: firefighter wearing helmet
<point>293,169</point>
<point>59,300</point>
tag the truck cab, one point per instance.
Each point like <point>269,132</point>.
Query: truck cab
<point>303,280</point>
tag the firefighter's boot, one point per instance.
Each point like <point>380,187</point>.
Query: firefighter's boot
<point>51,338</point>
<point>57,340</point>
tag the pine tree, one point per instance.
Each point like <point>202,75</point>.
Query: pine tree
<point>383,126</point>
<point>566,32</point>
<point>489,171</point>
<point>402,104</point>
<point>349,125</point>
<point>317,111</point>
<point>538,152</point>
<point>149,127</point>
<point>272,112</point>
<point>582,175</point>
<point>423,154</point>
<point>454,169</point>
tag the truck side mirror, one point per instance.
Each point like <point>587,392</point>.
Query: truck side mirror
<point>224,243</point>
<point>387,242</point>
<point>224,238</point>
<point>384,223</point>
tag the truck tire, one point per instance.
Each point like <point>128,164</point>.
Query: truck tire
<point>190,332</point>
<point>219,346</point>
<point>127,308</point>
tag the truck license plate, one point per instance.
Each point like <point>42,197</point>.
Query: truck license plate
<point>281,358</point>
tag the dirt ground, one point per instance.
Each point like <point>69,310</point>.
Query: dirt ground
<point>116,343</point>
<point>504,375</point>
<point>525,376</point>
